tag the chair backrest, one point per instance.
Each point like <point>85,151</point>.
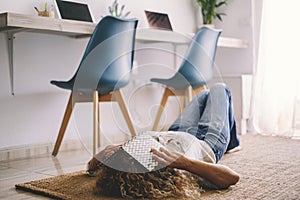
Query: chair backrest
<point>197,66</point>
<point>107,61</point>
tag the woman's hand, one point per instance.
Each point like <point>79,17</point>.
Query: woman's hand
<point>94,163</point>
<point>172,159</point>
<point>108,151</point>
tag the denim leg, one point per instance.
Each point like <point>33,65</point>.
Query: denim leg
<point>209,117</point>
<point>234,139</point>
<point>217,119</point>
<point>190,116</point>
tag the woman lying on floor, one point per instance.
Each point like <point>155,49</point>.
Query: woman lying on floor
<point>194,144</point>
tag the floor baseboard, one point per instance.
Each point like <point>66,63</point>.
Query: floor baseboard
<point>31,151</point>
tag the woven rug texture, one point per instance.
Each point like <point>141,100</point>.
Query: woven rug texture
<point>269,168</point>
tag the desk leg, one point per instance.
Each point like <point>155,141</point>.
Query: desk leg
<point>10,45</point>
<point>175,56</point>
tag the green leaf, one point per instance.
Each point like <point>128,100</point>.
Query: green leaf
<point>117,10</point>
<point>221,13</point>
<point>127,14</point>
<point>209,9</point>
<point>221,3</point>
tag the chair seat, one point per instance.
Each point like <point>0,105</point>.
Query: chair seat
<point>63,84</point>
<point>178,82</point>
<point>102,88</point>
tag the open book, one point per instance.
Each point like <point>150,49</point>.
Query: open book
<point>135,156</point>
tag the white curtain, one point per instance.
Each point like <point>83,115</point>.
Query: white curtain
<point>276,78</point>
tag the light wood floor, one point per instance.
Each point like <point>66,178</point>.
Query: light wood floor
<point>24,170</point>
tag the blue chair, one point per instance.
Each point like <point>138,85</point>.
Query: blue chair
<point>104,69</point>
<point>195,71</point>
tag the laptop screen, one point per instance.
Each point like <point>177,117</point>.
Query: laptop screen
<point>73,11</point>
<point>158,20</point>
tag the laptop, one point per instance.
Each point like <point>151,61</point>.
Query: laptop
<point>158,20</point>
<point>73,11</point>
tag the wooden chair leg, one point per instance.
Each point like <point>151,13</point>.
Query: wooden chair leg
<point>182,103</point>
<point>63,126</point>
<point>96,120</point>
<point>188,94</point>
<point>163,102</point>
<point>99,129</point>
<point>199,89</point>
<point>119,98</point>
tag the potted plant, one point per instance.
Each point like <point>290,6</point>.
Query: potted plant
<point>117,11</point>
<point>209,10</point>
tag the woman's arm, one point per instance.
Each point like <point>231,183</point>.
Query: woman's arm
<point>220,175</point>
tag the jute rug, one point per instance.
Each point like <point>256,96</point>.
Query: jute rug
<point>269,168</point>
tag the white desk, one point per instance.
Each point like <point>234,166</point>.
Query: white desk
<point>12,23</point>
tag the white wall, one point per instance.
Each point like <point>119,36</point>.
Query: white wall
<point>237,23</point>
<point>34,114</point>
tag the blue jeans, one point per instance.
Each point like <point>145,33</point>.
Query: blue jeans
<point>209,117</point>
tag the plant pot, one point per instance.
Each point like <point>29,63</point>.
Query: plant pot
<point>206,25</point>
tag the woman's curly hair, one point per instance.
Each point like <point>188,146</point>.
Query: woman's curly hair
<point>163,183</point>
